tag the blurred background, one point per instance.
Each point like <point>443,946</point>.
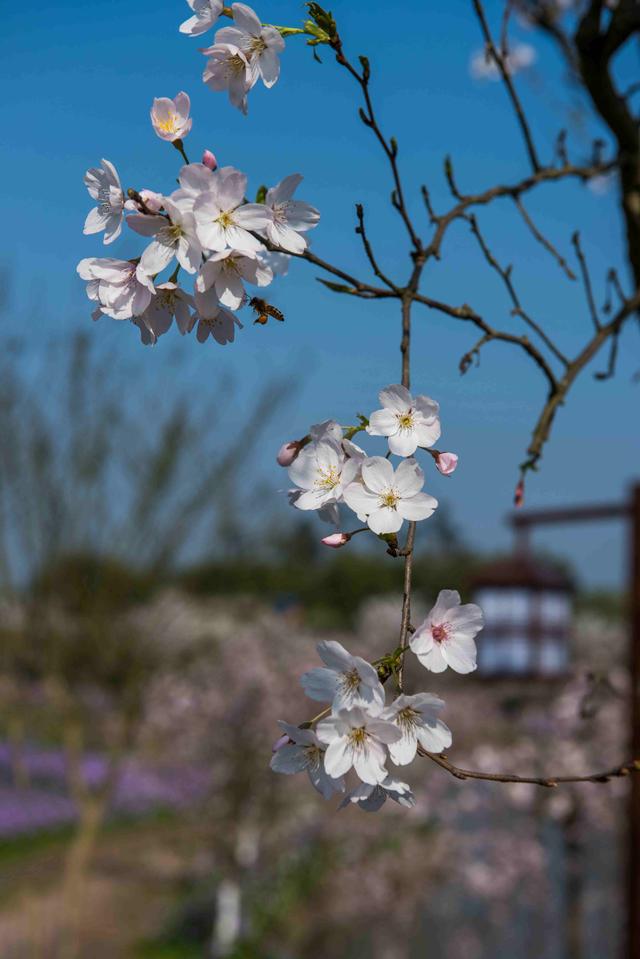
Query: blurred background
<point>158,598</point>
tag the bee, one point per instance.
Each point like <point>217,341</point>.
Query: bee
<point>264,311</point>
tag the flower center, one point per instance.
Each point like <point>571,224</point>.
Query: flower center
<point>408,718</point>
<point>225,220</point>
<point>170,234</point>
<point>257,45</point>
<point>328,478</point>
<point>406,421</point>
<point>351,680</point>
<point>357,737</point>
<point>170,125</point>
<point>235,65</point>
<point>440,633</point>
<point>314,756</point>
<point>389,498</point>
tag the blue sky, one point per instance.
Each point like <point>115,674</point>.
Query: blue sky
<point>81,78</point>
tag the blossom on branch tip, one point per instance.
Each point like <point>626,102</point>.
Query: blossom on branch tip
<point>303,752</point>
<point>120,288</point>
<point>104,186</point>
<point>446,637</point>
<point>336,540</point>
<point>384,497</point>
<point>408,422</point>
<point>170,118</point>
<point>417,719</point>
<point>260,44</point>
<point>356,739</point>
<point>287,453</point>
<point>205,14</point>
<point>371,798</point>
<point>289,217</point>
<point>446,463</point>
<point>345,681</point>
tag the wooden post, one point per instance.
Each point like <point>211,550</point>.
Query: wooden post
<point>633,851</point>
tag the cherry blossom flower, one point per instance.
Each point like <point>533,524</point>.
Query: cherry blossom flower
<point>384,498</point>
<point>119,286</point>
<point>289,217</point>
<point>213,319</point>
<point>372,798</point>
<point>228,69</point>
<point>446,463</point>
<point>260,44</point>
<point>356,739</point>
<point>150,199</point>
<point>194,179</point>
<point>175,235</point>
<point>205,14</point>
<point>169,301</point>
<point>170,118</point>
<point>346,682</point>
<point>446,637</point>
<point>226,270</point>
<point>278,263</point>
<point>223,219</point>
<point>321,471</point>
<point>408,422</point>
<point>104,186</point>
<point>417,719</point>
<point>327,429</point>
<point>305,753</point>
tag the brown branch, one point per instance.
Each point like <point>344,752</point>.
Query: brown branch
<point>586,280</point>
<point>501,63</point>
<point>361,231</point>
<point>546,781</point>
<point>546,243</point>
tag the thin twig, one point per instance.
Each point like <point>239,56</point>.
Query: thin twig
<point>586,280</point>
<point>547,244</point>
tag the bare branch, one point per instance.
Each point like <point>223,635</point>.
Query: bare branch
<point>586,280</point>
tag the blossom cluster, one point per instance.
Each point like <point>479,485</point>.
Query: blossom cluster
<point>240,55</point>
<point>206,228</point>
<point>359,731</point>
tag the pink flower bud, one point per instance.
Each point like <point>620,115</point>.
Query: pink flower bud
<point>336,540</point>
<point>518,496</point>
<point>153,201</point>
<point>446,463</point>
<point>209,160</point>
<point>287,453</point>
<point>279,743</point>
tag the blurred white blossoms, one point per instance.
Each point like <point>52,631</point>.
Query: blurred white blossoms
<point>357,740</point>
<point>205,14</point>
<point>104,186</point>
<point>521,56</point>
<point>385,497</point>
<point>289,217</point>
<point>446,637</point>
<point>260,44</point>
<point>347,681</point>
<point>417,719</point>
<point>406,421</point>
<point>170,118</point>
<point>372,798</point>
<point>305,753</point>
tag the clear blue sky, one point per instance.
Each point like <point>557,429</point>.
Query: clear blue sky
<point>79,79</point>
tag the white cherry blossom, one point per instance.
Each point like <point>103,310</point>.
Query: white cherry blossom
<point>278,263</point>
<point>320,471</point>
<point>385,497</point>
<point>289,217</point>
<point>345,681</point>
<point>371,798</point>
<point>213,319</point>
<point>305,753</point>
<point>356,739</point>
<point>225,272</point>
<point>174,235</point>
<point>104,186</point>
<point>169,301</point>
<point>120,288</point>
<point>170,118</point>
<point>205,14</point>
<point>228,69</point>
<point>417,719</point>
<point>260,44</point>
<point>446,637</point>
<point>222,217</point>
<point>407,421</point>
